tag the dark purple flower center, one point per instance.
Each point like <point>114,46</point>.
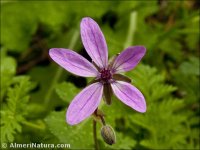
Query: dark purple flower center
<point>105,75</point>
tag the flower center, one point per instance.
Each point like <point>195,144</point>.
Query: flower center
<point>105,75</point>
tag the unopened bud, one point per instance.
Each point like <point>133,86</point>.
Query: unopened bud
<point>108,134</point>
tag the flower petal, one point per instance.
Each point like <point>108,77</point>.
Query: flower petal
<point>94,42</point>
<point>128,59</point>
<point>73,62</point>
<point>129,95</point>
<point>84,104</point>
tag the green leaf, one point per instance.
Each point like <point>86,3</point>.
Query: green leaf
<point>8,70</point>
<point>150,82</point>
<point>190,67</point>
<point>19,28</point>
<point>14,111</point>
<point>75,135</point>
<point>67,91</point>
<point>161,116</point>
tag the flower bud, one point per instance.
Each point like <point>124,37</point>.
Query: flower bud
<point>108,134</point>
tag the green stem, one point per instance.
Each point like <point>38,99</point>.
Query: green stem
<point>32,125</point>
<point>60,70</point>
<point>131,30</point>
<point>95,135</point>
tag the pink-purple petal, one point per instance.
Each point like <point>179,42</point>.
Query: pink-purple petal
<point>128,59</point>
<point>73,62</point>
<point>94,41</point>
<point>129,95</point>
<point>84,104</point>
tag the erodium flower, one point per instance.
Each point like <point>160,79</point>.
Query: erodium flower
<point>107,78</point>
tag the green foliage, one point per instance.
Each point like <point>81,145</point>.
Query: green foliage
<point>14,110</point>
<point>71,134</point>
<point>8,69</point>
<point>190,67</point>
<point>35,111</point>
<point>18,29</point>
<point>161,116</point>
<point>66,91</point>
<point>189,72</point>
<point>152,83</point>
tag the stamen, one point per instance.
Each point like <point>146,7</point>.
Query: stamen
<point>105,75</point>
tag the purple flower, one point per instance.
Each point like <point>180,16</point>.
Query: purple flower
<point>107,77</point>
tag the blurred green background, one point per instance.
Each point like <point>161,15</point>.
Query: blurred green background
<point>35,91</point>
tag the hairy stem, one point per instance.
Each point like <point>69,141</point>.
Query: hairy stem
<point>102,120</point>
<point>95,131</point>
<point>95,135</point>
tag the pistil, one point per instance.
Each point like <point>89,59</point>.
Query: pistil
<point>105,75</point>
